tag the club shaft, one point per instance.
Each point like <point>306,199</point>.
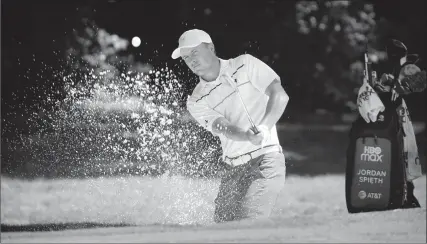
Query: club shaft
<point>247,112</point>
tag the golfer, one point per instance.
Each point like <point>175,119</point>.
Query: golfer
<point>239,100</point>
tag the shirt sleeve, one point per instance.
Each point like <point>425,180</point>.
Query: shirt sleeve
<point>260,74</point>
<point>202,113</point>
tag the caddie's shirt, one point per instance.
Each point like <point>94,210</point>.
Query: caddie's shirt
<point>218,98</point>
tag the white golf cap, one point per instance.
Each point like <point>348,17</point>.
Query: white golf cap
<point>191,38</point>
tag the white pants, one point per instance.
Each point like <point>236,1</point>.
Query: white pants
<point>251,190</point>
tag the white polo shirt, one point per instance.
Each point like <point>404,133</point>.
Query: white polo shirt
<point>218,98</point>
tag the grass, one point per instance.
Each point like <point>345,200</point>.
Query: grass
<point>177,209</point>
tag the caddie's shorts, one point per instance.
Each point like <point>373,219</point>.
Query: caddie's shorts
<point>250,190</point>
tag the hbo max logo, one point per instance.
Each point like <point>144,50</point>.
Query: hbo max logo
<point>372,154</point>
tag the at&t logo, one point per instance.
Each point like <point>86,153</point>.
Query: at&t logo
<point>362,195</point>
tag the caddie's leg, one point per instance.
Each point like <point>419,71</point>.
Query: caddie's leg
<point>233,187</point>
<point>263,192</point>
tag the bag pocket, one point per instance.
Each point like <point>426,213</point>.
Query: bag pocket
<point>371,179</point>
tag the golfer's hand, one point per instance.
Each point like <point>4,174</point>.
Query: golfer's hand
<point>255,139</point>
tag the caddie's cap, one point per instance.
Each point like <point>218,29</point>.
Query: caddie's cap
<point>191,38</point>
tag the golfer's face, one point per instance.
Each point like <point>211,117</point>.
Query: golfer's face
<point>198,59</point>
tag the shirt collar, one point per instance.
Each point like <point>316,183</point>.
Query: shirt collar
<point>223,67</point>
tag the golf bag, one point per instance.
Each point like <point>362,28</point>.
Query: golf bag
<point>375,172</point>
<point>376,176</point>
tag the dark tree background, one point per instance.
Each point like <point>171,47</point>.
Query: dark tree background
<point>315,46</point>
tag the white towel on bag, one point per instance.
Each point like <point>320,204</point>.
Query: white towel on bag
<point>369,103</point>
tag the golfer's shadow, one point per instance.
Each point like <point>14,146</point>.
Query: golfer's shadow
<point>56,226</point>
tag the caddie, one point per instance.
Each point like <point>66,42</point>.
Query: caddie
<point>239,100</point>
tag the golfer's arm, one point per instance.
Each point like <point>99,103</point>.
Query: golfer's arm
<point>277,102</point>
<point>221,126</point>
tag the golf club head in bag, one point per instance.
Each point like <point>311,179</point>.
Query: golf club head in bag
<point>412,58</point>
<point>396,52</point>
<point>408,77</point>
<point>396,49</point>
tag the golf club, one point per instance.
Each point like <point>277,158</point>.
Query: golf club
<point>246,110</point>
<point>236,88</point>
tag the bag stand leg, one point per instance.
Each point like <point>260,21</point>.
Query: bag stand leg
<point>412,201</point>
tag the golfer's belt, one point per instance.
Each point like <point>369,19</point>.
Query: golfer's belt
<point>244,158</point>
